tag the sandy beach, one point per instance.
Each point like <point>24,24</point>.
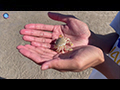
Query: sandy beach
<point>15,66</point>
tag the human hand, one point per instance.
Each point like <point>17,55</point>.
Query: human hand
<point>76,30</point>
<point>77,60</point>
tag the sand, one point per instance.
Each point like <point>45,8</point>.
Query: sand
<point>15,66</point>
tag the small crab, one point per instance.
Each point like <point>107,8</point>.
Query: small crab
<point>60,44</point>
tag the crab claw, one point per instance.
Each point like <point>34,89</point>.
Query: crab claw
<point>70,49</point>
<point>60,36</point>
<point>71,44</point>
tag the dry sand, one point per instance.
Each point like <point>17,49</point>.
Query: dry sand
<point>15,66</point>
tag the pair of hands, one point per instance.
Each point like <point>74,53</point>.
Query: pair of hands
<point>83,55</point>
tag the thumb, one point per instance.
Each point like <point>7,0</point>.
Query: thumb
<point>60,17</point>
<point>60,64</point>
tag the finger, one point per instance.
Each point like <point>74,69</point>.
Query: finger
<point>47,51</point>
<point>26,47</point>
<point>36,33</point>
<point>60,17</point>
<point>59,64</point>
<point>40,27</point>
<point>35,57</point>
<point>31,47</point>
<point>35,39</point>
<point>46,45</point>
<point>30,52</point>
<point>20,46</point>
<point>43,52</point>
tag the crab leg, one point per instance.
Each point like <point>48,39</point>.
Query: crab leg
<point>66,48</point>
<point>69,41</point>
<point>58,50</point>
<point>71,44</point>
<point>63,49</point>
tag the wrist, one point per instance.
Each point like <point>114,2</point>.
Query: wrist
<point>92,38</point>
<point>99,57</point>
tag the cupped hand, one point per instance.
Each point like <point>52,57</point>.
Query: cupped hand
<point>83,55</point>
<point>79,59</point>
<point>42,35</point>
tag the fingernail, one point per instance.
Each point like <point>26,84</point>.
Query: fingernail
<point>45,67</point>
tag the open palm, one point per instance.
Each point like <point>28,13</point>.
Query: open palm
<point>77,31</point>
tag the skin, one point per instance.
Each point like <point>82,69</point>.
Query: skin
<point>87,48</point>
<point>72,61</point>
<point>32,32</point>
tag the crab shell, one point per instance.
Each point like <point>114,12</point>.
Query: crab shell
<point>60,44</point>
